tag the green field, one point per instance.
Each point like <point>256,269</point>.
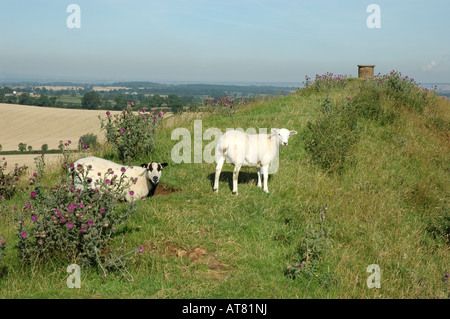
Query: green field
<point>387,206</point>
<point>70,99</point>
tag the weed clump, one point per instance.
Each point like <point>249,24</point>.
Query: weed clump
<point>324,83</point>
<point>8,181</point>
<point>308,257</point>
<point>223,105</point>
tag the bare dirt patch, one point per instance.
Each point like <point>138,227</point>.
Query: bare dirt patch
<point>164,190</point>
<point>200,255</point>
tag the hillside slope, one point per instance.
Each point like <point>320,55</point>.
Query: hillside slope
<point>384,200</point>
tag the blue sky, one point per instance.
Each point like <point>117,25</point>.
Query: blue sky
<point>222,41</point>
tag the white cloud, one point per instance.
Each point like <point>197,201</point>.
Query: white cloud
<point>429,66</point>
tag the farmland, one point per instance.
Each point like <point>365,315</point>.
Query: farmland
<point>35,126</point>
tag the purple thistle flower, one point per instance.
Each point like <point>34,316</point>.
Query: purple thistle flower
<point>90,223</point>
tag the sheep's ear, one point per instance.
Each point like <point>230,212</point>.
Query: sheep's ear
<point>293,132</point>
<point>274,131</point>
<point>144,165</point>
<point>164,164</point>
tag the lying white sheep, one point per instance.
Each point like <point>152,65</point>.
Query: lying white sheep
<point>241,149</point>
<point>143,180</point>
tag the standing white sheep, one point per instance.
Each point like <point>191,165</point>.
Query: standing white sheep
<point>146,177</point>
<point>241,149</point>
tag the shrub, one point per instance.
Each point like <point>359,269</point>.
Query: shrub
<point>369,104</point>
<point>8,181</point>
<point>330,138</point>
<point>87,141</point>
<point>72,225</point>
<point>132,133</point>
<point>404,91</point>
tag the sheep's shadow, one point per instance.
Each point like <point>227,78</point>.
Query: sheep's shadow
<point>244,178</point>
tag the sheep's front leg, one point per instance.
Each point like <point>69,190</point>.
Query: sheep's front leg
<point>265,172</point>
<point>235,178</point>
<point>218,170</point>
<point>258,170</point>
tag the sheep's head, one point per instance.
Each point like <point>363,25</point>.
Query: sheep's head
<point>154,170</point>
<point>283,135</point>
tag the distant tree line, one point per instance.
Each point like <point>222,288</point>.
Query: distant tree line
<point>139,95</point>
<point>94,100</point>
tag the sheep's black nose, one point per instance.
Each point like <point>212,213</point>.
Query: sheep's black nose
<point>155,179</point>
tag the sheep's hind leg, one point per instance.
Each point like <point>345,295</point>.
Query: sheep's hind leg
<point>220,162</point>
<point>235,178</point>
<point>258,171</point>
<point>265,172</point>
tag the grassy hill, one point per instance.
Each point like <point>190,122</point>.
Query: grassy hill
<point>364,182</point>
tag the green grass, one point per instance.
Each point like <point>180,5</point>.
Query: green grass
<point>199,244</point>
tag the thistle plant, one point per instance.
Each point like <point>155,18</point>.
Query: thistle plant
<point>73,225</point>
<point>308,256</point>
<point>223,105</point>
<point>8,181</point>
<point>325,82</point>
<point>132,133</point>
